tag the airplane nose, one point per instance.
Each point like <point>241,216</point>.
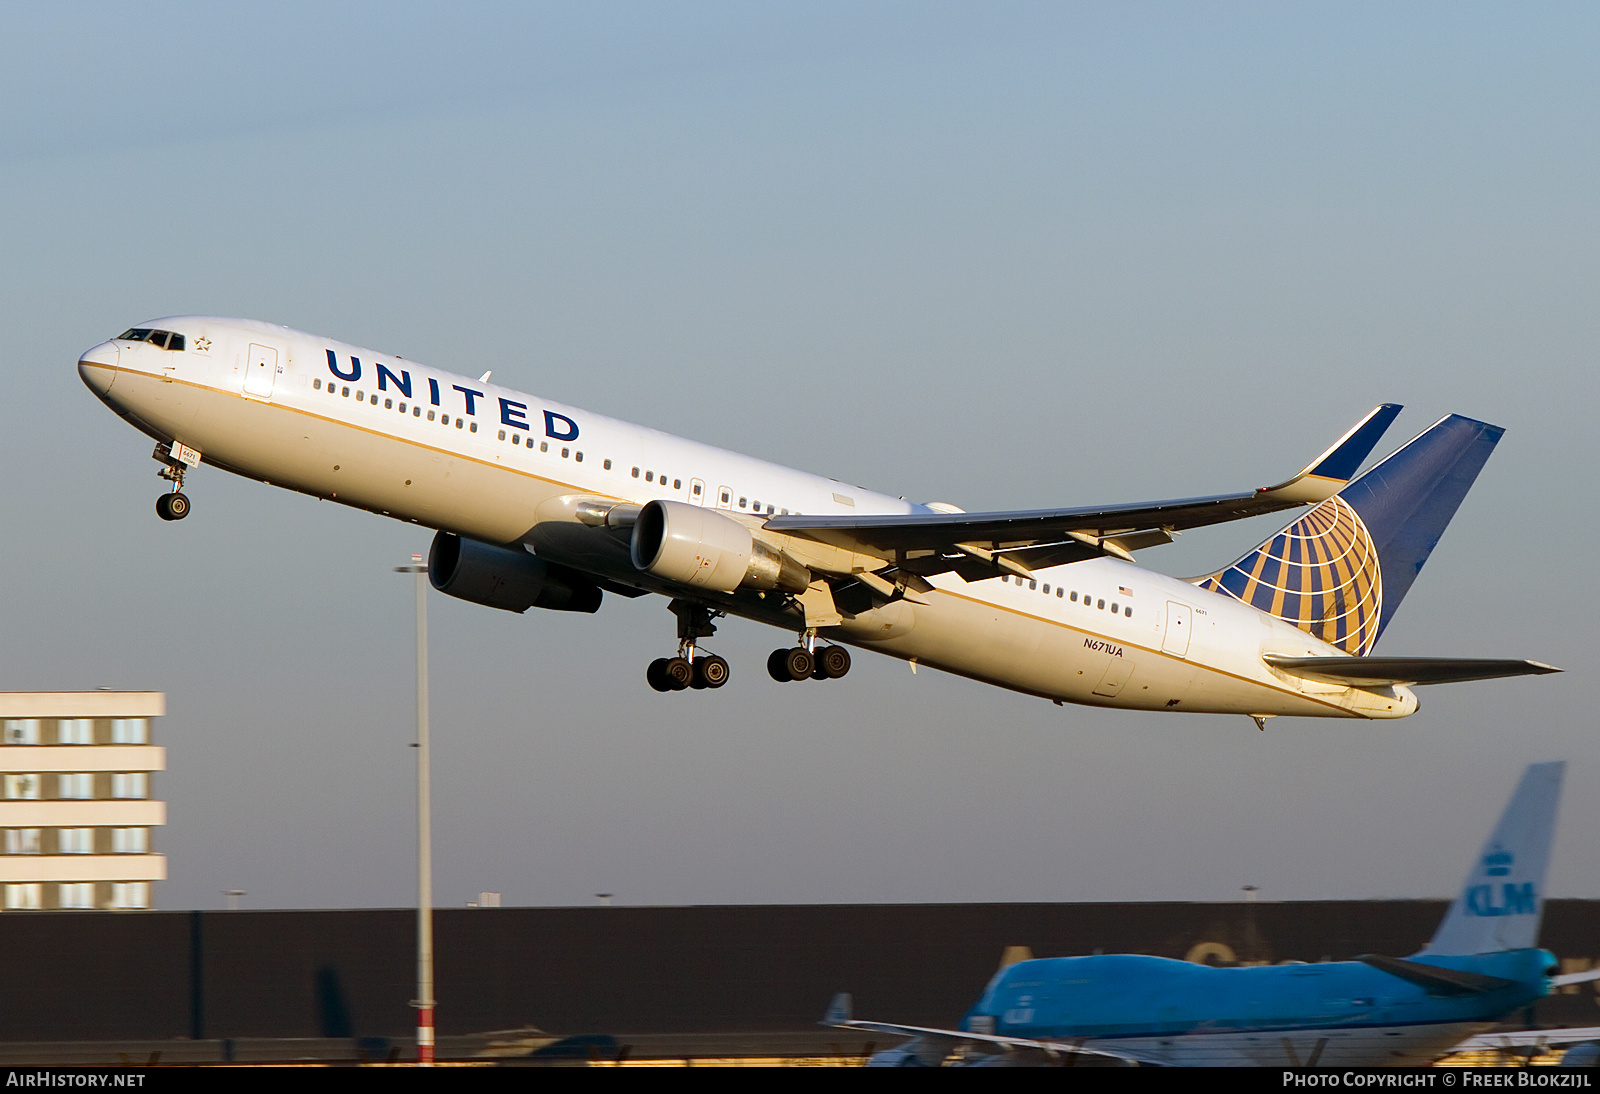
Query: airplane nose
<point>98,368</point>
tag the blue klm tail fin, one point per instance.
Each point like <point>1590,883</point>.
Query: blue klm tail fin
<point>1500,904</point>
<point>1340,571</point>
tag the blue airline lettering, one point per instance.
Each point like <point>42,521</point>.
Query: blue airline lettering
<point>513,414</point>
<point>471,395</point>
<point>433,391</point>
<point>355,368</point>
<point>568,434</point>
<point>1514,900</point>
<point>402,381</point>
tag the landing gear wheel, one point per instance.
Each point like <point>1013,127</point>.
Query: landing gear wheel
<point>678,672</point>
<point>710,672</point>
<point>172,506</point>
<point>834,661</point>
<point>656,675</point>
<point>798,662</point>
<point>776,667</point>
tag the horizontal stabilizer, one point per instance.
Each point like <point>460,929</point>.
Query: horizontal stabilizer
<point>1436,980</point>
<point>1374,671</point>
<point>1574,978</point>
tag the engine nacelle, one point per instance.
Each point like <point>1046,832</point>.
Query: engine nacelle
<point>703,549</point>
<point>506,578</point>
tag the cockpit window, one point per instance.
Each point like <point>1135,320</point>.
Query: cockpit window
<point>164,338</point>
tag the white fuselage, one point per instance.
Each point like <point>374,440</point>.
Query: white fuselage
<point>495,464</point>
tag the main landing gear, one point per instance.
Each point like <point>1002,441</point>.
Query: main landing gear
<point>692,668</point>
<point>808,662</point>
<point>174,462</point>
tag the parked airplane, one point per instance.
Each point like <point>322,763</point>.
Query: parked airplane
<point>1481,966</point>
<point>543,505</point>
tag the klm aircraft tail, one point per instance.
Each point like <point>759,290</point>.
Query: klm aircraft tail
<point>1501,903</point>
<point>1340,571</point>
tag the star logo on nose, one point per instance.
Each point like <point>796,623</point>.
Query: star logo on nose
<point>202,344</point>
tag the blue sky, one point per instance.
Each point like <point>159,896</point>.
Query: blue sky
<point>993,254</point>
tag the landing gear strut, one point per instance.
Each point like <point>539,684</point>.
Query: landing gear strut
<point>175,460</point>
<point>692,668</point>
<point>808,661</point>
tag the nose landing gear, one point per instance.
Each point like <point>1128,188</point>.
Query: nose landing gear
<point>176,459</point>
<point>692,668</point>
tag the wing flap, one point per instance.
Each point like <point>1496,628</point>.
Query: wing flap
<point>1378,671</point>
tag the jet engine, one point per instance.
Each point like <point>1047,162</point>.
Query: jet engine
<point>706,550</point>
<point>507,578</point>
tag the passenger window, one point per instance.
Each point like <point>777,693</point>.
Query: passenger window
<point>724,497</point>
<point>316,385</point>
<point>1101,605</point>
<point>388,404</point>
<point>649,476</point>
<point>742,503</point>
<point>1074,596</point>
<point>474,428</point>
<point>416,412</point>
<point>1113,609</point>
<point>565,452</point>
<point>635,472</point>
<point>606,465</point>
<point>578,456</point>
<point>755,505</point>
<point>346,393</point>
<point>1033,585</point>
<point>696,490</point>
<point>544,446</point>
<point>1046,590</point>
<point>529,442</point>
<point>502,434</point>
<point>677,484</point>
<point>402,408</point>
<point>1060,592</point>
<point>458,421</point>
<point>360,397</point>
<point>515,439</point>
<point>430,415</point>
<point>444,419</point>
<point>1128,612</point>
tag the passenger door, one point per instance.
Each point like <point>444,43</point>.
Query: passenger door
<point>261,371</point>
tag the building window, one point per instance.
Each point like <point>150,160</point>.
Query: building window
<point>130,894</point>
<point>28,896</point>
<point>75,841</point>
<point>130,841</point>
<point>76,894</point>
<point>130,731</point>
<point>22,841</point>
<point>22,731</point>
<point>75,785</point>
<point>22,788</point>
<point>130,784</point>
<point>75,731</point>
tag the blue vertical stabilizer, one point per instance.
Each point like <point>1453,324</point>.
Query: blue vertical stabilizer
<point>1501,903</point>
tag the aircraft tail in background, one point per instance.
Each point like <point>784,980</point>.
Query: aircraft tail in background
<point>1500,905</point>
<point>1340,571</point>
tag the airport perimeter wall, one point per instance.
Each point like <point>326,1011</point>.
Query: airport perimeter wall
<point>101,976</point>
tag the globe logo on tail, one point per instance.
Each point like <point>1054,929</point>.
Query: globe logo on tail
<point>1321,574</point>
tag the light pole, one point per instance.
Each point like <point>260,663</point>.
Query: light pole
<point>424,1000</point>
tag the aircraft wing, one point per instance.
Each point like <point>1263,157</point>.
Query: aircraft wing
<point>980,545</point>
<point>1512,1040</point>
<point>1371,671</point>
<point>838,1016</point>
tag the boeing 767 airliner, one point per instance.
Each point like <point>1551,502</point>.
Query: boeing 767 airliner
<point>538,504</point>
